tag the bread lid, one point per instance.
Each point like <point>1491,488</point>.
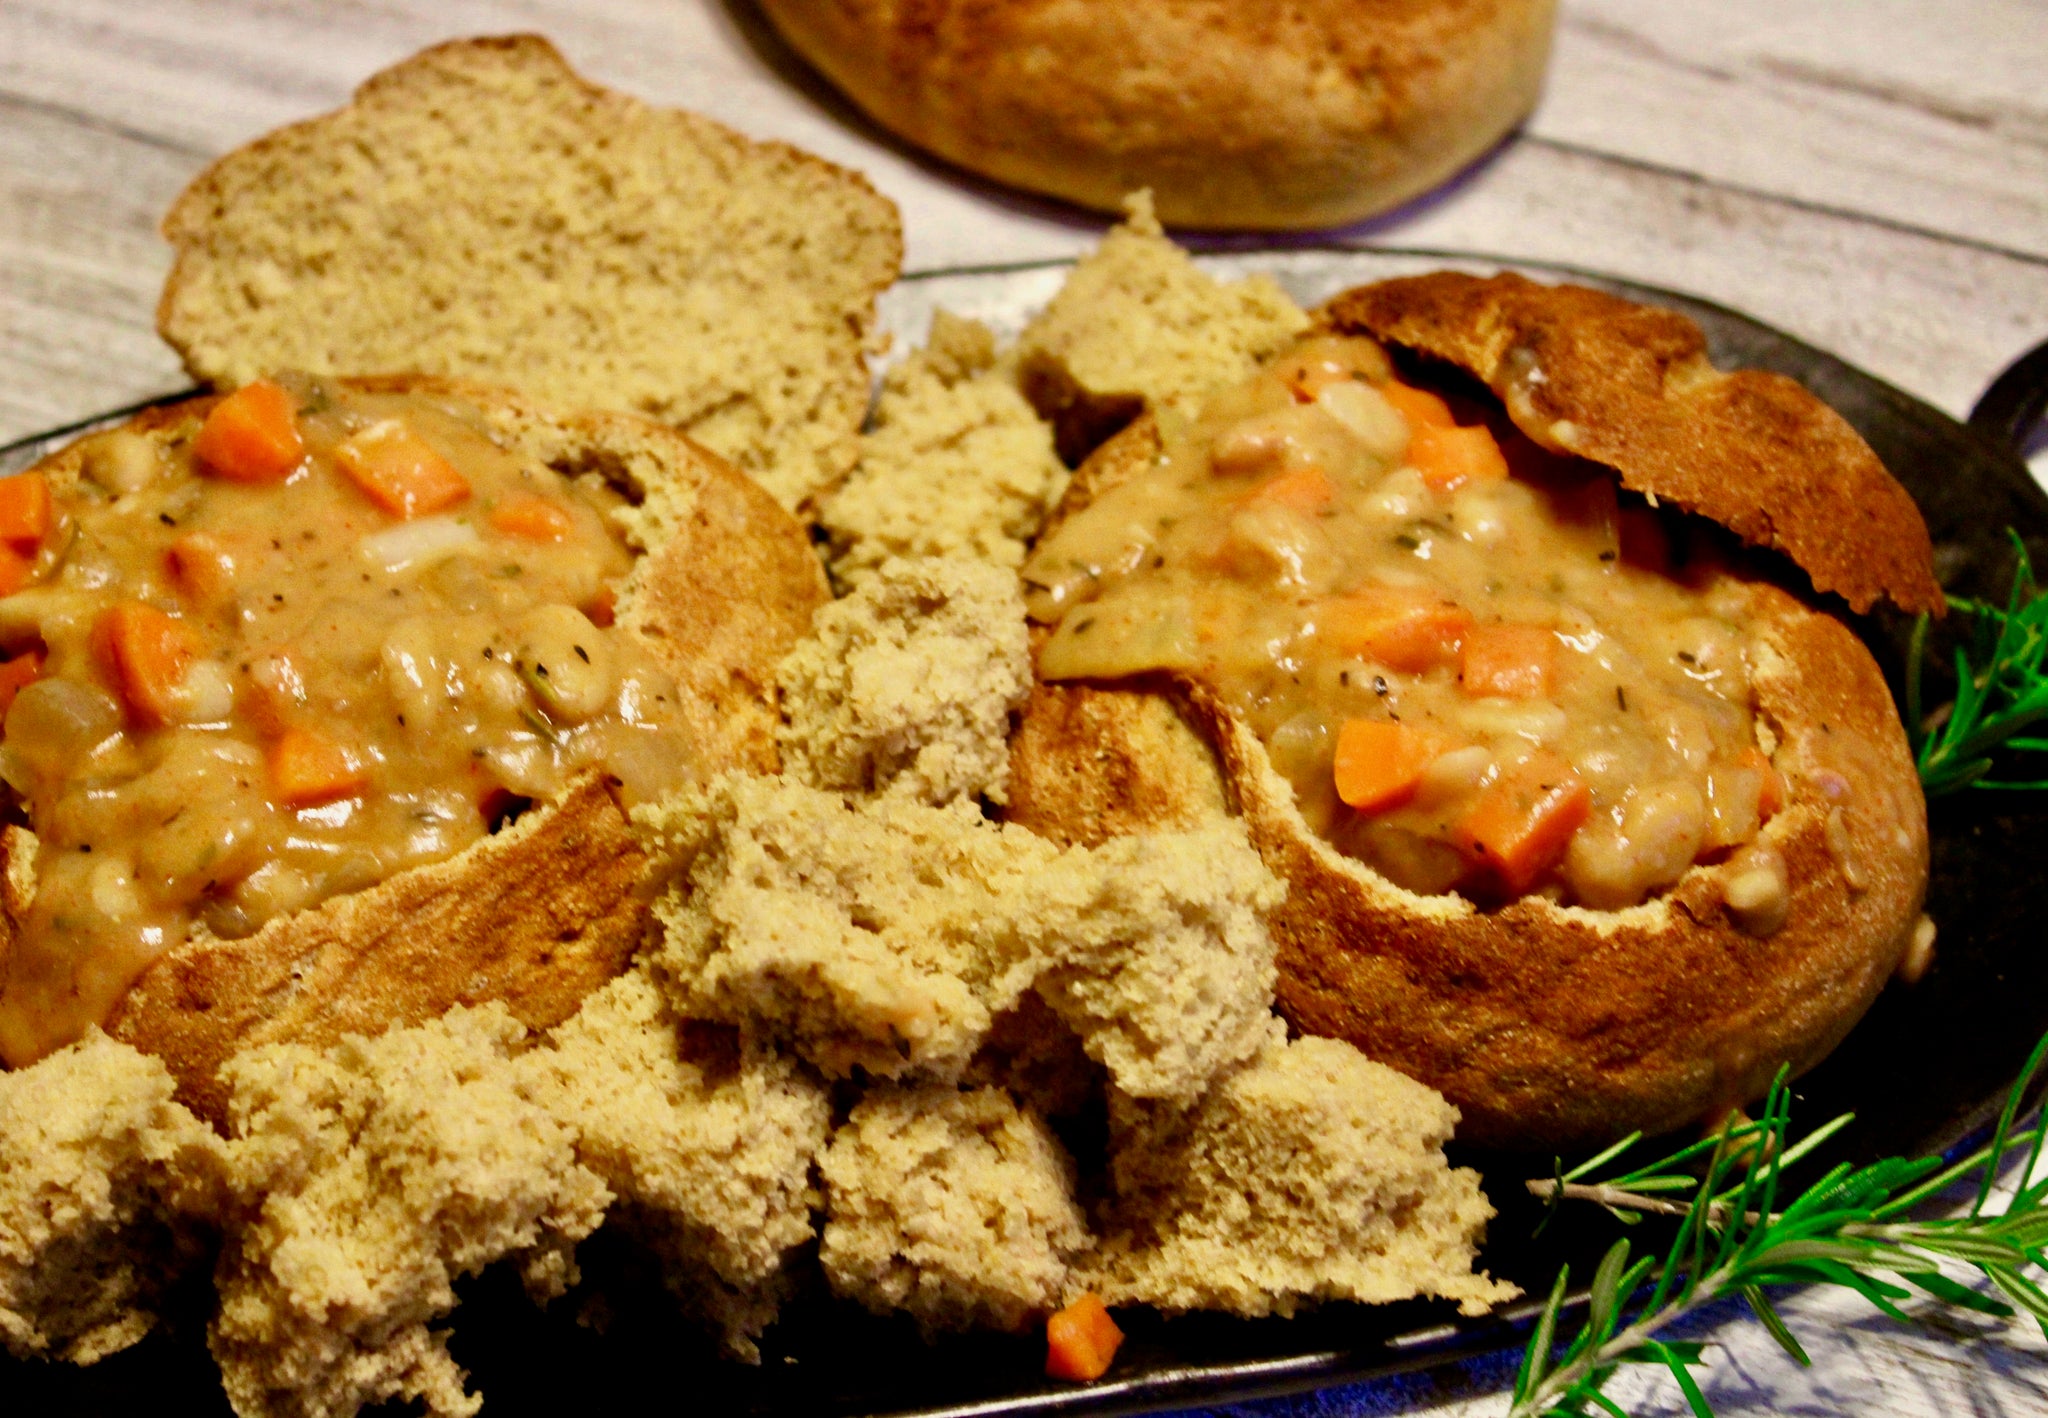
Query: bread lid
<point>1629,386</point>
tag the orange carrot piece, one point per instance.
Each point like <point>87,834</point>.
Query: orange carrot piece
<point>1081,1341</point>
<point>1304,489</point>
<point>147,653</point>
<point>1509,661</point>
<point>252,436</point>
<point>1522,824</point>
<point>1380,765</point>
<point>15,569</point>
<point>308,769</point>
<point>400,471</point>
<point>1448,458</point>
<point>533,517</point>
<point>1771,801</point>
<point>1403,628</point>
<point>17,674</point>
<point>25,511</point>
<point>1421,408</point>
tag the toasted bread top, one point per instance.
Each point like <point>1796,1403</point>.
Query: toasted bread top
<point>481,210</point>
<point>546,910</point>
<point>1629,386</point>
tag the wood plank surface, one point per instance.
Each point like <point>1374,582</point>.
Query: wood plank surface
<point>1871,176</point>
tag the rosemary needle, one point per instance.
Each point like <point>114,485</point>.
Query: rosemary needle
<point>1850,1228</point>
<point>2001,688</point>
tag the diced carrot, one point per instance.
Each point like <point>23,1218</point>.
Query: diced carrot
<point>15,569</point>
<point>603,608</point>
<point>1522,823</point>
<point>252,436</point>
<point>1404,628</point>
<point>1421,408</point>
<point>1081,1341</point>
<point>1510,661</point>
<point>1772,800</point>
<point>17,674</point>
<point>534,518</point>
<point>1379,765</point>
<point>400,471</point>
<point>25,511</point>
<point>1644,541</point>
<point>1448,458</point>
<point>147,653</point>
<point>1304,489</point>
<point>203,569</point>
<point>308,769</point>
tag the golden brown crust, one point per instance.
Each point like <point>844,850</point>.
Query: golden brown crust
<point>1549,1027</point>
<point>1629,386</point>
<point>1235,115</point>
<point>545,911</point>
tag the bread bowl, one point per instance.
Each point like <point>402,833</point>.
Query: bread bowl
<point>1311,115</point>
<point>705,582</point>
<point>1550,1022</point>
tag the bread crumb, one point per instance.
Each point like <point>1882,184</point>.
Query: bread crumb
<point>955,462</point>
<point>374,1175</point>
<point>907,685</point>
<point>706,1142</point>
<point>1309,1174</point>
<point>481,210</point>
<point>1138,325</point>
<point>954,1206</point>
<point>109,1191</point>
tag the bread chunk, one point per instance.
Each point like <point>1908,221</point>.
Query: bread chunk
<point>887,936</point>
<point>109,1191</point>
<point>954,1206</point>
<point>1138,325</point>
<point>1310,1173</point>
<point>705,1141</point>
<point>906,686</point>
<point>955,462</point>
<point>376,1174</point>
<point>480,210</point>
<point>545,911</point>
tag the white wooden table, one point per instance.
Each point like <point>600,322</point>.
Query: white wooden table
<point>1871,176</point>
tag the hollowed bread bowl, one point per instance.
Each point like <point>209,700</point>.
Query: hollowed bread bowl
<point>1555,1026</point>
<point>548,908</point>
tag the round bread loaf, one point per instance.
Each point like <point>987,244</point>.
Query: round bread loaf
<point>1234,115</point>
<point>549,908</point>
<point>1558,1026</point>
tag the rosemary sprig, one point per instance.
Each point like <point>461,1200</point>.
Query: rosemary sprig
<point>1850,1228</point>
<point>2001,688</point>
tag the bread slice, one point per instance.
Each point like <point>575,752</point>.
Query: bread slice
<point>1554,1027</point>
<point>480,210</point>
<point>543,912</point>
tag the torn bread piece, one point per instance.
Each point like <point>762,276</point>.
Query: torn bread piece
<point>1307,1174</point>
<point>954,1206</point>
<point>954,463</point>
<point>374,1175</point>
<point>109,1192</point>
<point>906,687</point>
<point>705,1139</point>
<point>481,210</point>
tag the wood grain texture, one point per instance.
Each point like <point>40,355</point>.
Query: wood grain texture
<point>1872,177</point>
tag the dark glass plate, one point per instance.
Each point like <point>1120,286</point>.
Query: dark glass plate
<point>1927,1067</point>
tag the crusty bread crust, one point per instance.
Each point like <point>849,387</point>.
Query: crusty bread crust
<point>1550,1027</point>
<point>545,911</point>
<point>1233,114</point>
<point>1629,386</point>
